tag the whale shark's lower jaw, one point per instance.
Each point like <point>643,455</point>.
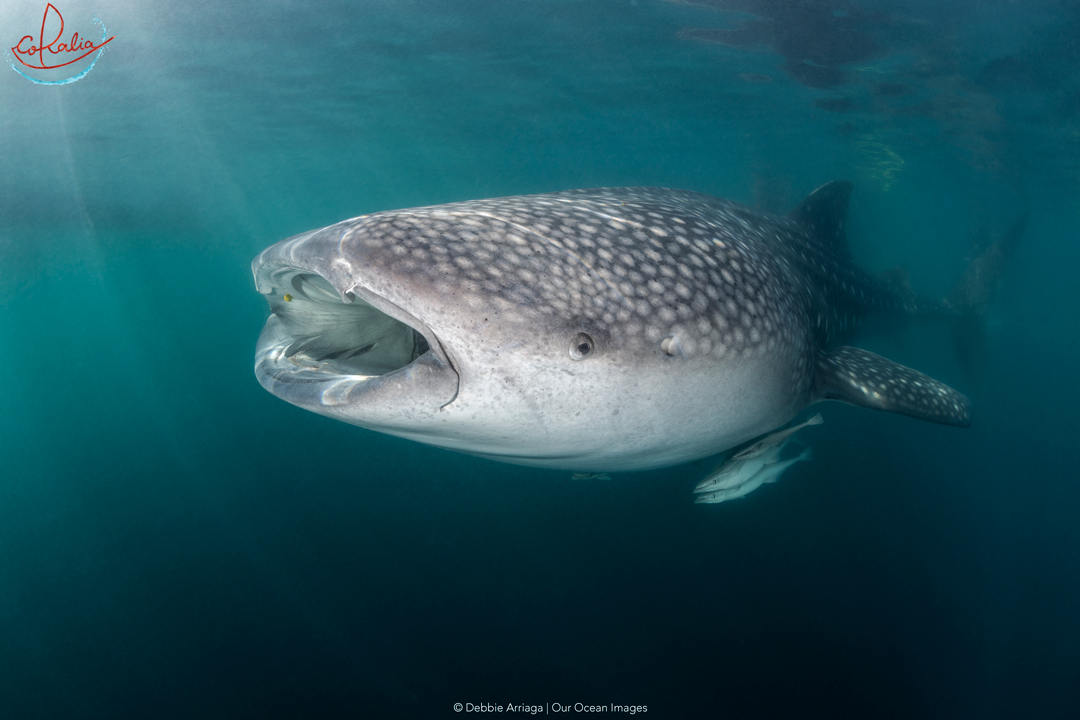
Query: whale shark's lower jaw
<point>338,355</point>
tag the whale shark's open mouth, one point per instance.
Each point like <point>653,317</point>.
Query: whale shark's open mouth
<point>322,333</point>
<point>327,350</point>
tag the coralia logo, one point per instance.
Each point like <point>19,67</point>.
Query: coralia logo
<point>56,61</point>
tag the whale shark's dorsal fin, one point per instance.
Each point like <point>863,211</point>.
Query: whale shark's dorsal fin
<point>823,213</point>
<point>862,378</point>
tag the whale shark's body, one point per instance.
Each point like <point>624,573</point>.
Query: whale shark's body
<point>592,330</point>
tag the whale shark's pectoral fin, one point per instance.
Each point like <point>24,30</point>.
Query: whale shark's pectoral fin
<point>862,378</point>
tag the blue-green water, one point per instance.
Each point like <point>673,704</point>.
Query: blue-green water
<point>175,542</point>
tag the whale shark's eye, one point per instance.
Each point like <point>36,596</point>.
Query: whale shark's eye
<point>581,346</point>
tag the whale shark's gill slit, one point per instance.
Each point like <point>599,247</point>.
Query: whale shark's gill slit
<point>330,336</point>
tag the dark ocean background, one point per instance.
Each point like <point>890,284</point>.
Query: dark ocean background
<point>177,543</point>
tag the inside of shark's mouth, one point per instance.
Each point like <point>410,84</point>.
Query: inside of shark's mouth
<point>325,334</point>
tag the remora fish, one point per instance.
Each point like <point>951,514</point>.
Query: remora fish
<point>749,462</point>
<point>769,473</point>
<point>735,472</point>
<point>591,330</point>
<point>776,438</point>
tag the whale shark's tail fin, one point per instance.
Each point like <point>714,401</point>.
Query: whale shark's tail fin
<point>971,297</point>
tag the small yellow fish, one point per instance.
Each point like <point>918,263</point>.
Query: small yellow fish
<point>288,297</point>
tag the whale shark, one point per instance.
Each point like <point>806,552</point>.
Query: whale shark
<point>597,330</point>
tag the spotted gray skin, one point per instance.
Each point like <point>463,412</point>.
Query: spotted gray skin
<point>592,330</point>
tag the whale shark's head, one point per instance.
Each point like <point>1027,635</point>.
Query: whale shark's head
<point>534,330</point>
